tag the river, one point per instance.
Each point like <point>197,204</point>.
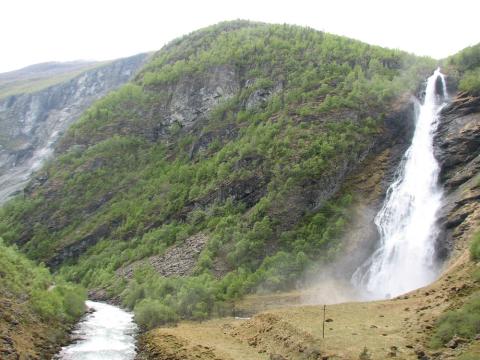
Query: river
<point>108,333</point>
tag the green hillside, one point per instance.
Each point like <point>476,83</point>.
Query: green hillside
<point>239,134</point>
<point>21,278</point>
<point>465,67</point>
<point>34,304</point>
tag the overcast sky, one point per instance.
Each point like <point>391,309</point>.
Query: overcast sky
<point>33,31</point>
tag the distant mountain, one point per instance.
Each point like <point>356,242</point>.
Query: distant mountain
<point>33,119</point>
<point>45,69</point>
<point>38,76</point>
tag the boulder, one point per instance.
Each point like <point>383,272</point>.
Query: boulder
<point>455,342</point>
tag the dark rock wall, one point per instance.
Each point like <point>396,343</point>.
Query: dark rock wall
<point>457,148</point>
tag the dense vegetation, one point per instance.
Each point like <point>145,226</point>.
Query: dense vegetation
<point>466,68</point>
<point>51,298</point>
<point>131,184</point>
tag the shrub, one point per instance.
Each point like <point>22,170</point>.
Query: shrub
<point>364,355</point>
<point>73,301</point>
<point>464,322</point>
<point>151,313</point>
<point>22,278</point>
<point>133,294</point>
<point>475,247</point>
<point>468,356</point>
<point>61,302</point>
<point>47,304</point>
<point>471,82</point>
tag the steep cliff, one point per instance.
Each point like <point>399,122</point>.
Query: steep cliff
<point>458,151</point>
<point>32,122</point>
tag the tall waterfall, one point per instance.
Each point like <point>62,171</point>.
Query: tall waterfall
<point>406,223</point>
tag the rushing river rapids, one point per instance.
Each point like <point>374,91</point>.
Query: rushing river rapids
<point>108,333</point>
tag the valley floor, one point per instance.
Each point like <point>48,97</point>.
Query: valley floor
<point>397,328</point>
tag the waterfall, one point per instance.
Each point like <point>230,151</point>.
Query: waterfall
<point>405,258</point>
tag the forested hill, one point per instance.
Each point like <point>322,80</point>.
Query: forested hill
<point>218,170</point>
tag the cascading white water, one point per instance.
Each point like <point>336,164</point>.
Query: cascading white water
<point>407,221</point>
<point>108,334</point>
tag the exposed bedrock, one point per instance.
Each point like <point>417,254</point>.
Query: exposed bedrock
<point>457,148</point>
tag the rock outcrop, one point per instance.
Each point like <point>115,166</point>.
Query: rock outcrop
<point>31,123</point>
<point>178,260</point>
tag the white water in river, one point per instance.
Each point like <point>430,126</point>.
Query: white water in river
<point>106,334</point>
<point>405,259</point>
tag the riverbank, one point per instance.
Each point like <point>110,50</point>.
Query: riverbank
<point>23,335</point>
<point>37,309</point>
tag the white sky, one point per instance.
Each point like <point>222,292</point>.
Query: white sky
<point>33,31</point>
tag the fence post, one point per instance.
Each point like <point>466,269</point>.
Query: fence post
<point>323,329</point>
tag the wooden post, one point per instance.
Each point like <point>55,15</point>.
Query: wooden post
<point>323,330</point>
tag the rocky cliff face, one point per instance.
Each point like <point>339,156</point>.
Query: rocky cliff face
<point>458,151</point>
<point>457,148</point>
<point>31,123</point>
